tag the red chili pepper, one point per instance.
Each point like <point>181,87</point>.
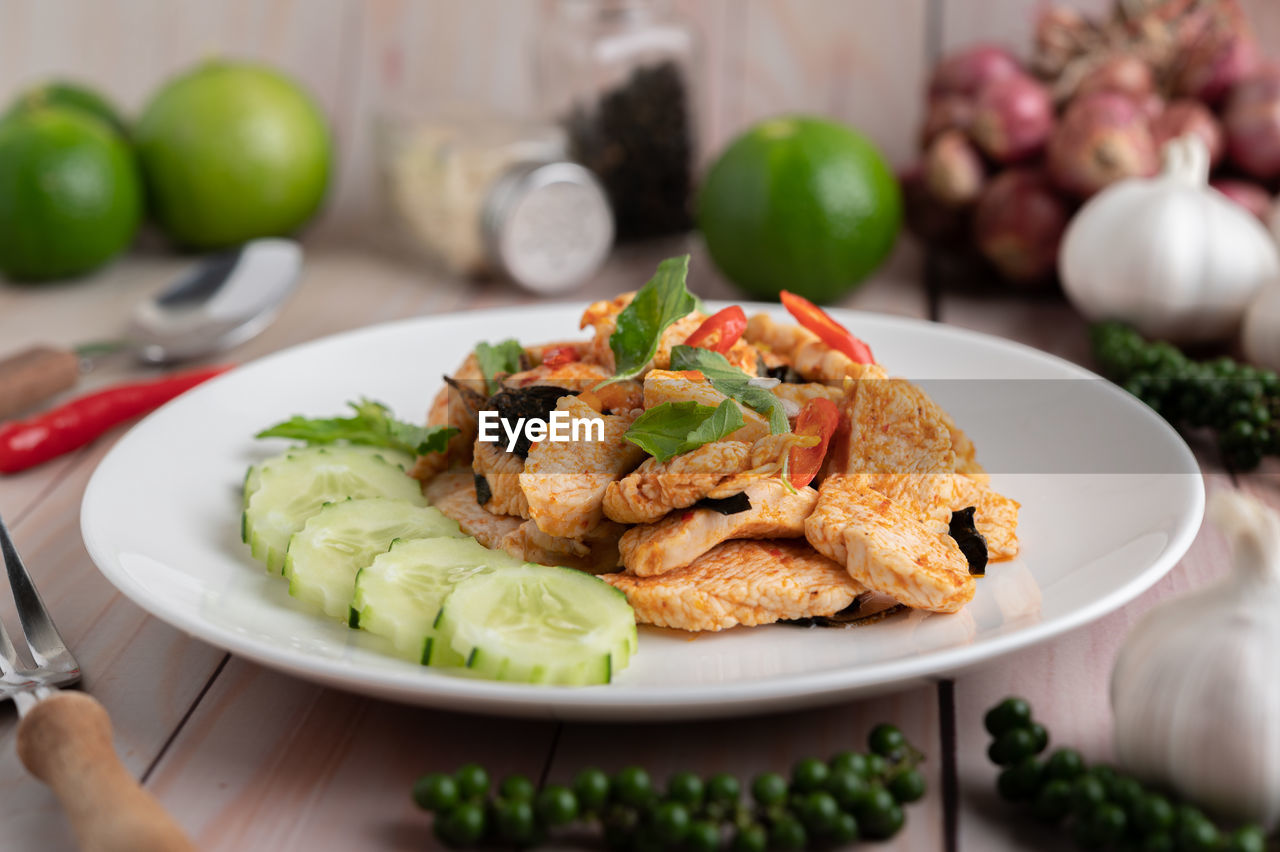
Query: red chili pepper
<point>27,443</point>
<point>720,330</point>
<point>558,356</point>
<point>828,330</point>
<point>819,418</point>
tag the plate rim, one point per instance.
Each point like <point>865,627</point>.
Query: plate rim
<point>614,701</point>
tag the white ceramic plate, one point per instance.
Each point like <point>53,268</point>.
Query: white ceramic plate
<point>1111,498</point>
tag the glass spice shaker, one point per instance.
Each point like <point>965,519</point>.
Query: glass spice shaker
<point>618,75</point>
<point>488,195</point>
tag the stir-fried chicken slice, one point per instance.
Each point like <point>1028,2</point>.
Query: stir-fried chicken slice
<point>454,494</point>
<point>690,386</point>
<point>741,582</point>
<point>887,549</point>
<point>794,396</point>
<point>501,472</point>
<point>564,481</point>
<point>456,407</point>
<point>683,536</point>
<point>893,427</point>
<point>932,497</point>
<point>655,488</point>
<point>603,318</point>
<point>595,553</point>
<point>574,376</point>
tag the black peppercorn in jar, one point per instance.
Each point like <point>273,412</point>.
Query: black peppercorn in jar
<point>619,76</point>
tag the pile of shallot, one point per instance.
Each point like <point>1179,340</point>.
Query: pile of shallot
<point>1012,148</point>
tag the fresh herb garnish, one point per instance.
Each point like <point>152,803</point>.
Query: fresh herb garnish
<point>659,303</point>
<point>372,426</point>
<point>732,382</point>
<point>673,428</point>
<point>498,358</point>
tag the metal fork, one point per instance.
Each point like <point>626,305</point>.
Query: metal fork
<point>64,738</point>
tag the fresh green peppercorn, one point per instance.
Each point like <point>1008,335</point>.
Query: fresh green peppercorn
<point>1153,814</point>
<point>631,786</point>
<point>877,766</point>
<point>702,836</point>
<point>435,792</point>
<point>515,821</point>
<point>750,838</point>
<point>818,811</point>
<point>1011,713</point>
<point>1125,792</point>
<point>786,834</point>
<point>769,789</point>
<point>1248,838</point>
<point>844,831</point>
<point>850,760</point>
<point>463,824</point>
<point>723,788</point>
<point>557,805</point>
<point>1109,822</point>
<point>1196,836</point>
<point>907,786</point>
<point>1053,802</point>
<point>808,775</point>
<point>516,788</point>
<point>671,820</point>
<point>1012,746</point>
<point>1064,764</point>
<point>472,780</point>
<point>879,816</point>
<point>1040,735</point>
<point>685,787</point>
<point>1087,792</point>
<point>1021,782</point>
<point>887,741</point>
<point>591,786</point>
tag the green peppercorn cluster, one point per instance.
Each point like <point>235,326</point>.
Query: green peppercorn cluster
<point>1240,402</point>
<point>823,804</point>
<point>1102,808</point>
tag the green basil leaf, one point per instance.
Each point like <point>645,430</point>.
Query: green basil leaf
<point>674,428</point>
<point>732,382</point>
<point>660,302</point>
<point>372,426</point>
<point>495,358</point>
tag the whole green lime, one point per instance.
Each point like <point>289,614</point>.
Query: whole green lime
<point>802,204</point>
<point>72,95</point>
<point>232,151</point>
<point>70,195</point>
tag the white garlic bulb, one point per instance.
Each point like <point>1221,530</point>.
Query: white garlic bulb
<point>1195,690</point>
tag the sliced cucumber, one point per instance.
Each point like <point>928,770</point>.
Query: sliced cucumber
<point>399,594</point>
<point>293,486</point>
<point>536,624</point>
<point>336,542</point>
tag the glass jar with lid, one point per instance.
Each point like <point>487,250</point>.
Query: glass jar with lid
<point>487,195</point>
<point>619,76</point>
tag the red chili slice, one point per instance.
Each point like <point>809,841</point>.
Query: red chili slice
<point>819,418</point>
<point>720,330</point>
<point>828,330</point>
<point>558,356</point>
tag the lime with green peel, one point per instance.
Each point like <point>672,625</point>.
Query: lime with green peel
<point>232,151</point>
<point>70,195</point>
<point>71,95</point>
<point>802,204</point>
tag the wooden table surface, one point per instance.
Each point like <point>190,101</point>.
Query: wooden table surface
<point>247,758</point>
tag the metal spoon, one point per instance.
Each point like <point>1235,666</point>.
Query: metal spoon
<point>222,301</point>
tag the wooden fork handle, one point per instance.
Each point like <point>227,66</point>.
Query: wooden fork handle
<point>33,375</point>
<point>65,741</point>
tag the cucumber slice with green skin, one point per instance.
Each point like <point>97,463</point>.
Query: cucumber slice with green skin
<point>336,542</point>
<point>399,594</point>
<point>295,485</point>
<point>537,624</point>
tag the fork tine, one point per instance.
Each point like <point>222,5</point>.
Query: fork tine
<point>46,645</point>
<point>9,662</point>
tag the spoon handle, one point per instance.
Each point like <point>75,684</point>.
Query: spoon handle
<point>33,375</point>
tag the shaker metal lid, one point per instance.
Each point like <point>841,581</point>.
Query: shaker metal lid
<point>547,226</point>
